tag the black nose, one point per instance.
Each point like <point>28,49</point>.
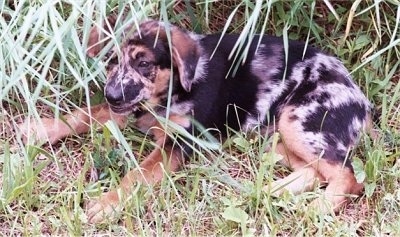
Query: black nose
<point>117,95</point>
<point>114,95</point>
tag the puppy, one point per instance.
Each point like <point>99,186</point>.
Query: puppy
<point>303,94</point>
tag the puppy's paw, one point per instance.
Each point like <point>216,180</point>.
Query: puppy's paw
<point>105,208</point>
<point>46,129</point>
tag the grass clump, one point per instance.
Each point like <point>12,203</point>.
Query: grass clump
<point>44,72</point>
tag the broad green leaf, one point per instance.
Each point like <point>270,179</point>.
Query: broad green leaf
<point>235,214</point>
<point>358,167</point>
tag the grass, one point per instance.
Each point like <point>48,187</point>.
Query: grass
<point>45,73</point>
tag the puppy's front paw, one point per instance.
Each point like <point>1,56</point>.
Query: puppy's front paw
<point>46,129</point>
<point>105,208</point>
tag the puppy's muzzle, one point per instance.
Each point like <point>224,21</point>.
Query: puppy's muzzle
<point>123,98</point>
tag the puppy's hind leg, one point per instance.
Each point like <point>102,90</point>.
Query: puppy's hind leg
<point>341,184</point>
<point>302,179</point>
<point>312,150</point>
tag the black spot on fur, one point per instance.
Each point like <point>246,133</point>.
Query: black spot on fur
<point>327,76</point>
<point>319,97</point>
<point>307,73</point>
<point>336,126</point>
<point>275,108</point>
<point>300,95</point>
<point>135,41</point>
<point>342,155</point>
<point>335,120</point>
<point>323,97</point>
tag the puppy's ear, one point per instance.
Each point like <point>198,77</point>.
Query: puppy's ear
<point>185,55</point>
<point>185,49</point>
<point>97,36</point>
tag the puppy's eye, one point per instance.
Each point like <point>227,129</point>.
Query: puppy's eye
<point>144,64</point>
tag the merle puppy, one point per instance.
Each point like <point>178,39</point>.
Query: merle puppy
<point>303,94</point>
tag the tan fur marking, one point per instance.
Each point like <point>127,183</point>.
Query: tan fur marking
<point>178,61</point>
<point>292,136</point>
<point>145,122</point>
<point>163,159</point>
<point>140,49</point>
<point>303,178</point>
<point>341,184</point>
<point>183,43</point>
<point>94,46</point>
<point>160,86</point>
<point>290,160</point>
<point>81,121</point>
<point>183,47</point>
<point>340,179</point>
<point>151,171</point>
<point>96,37</point>
<point>78,122</point>
<point>299,181</point>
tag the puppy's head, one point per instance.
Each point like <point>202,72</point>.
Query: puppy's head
<point>140,71</point>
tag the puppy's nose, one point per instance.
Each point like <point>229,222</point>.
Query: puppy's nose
<point>114,95</point>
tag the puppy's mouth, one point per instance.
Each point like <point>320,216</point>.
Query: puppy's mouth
<point>125,109</point>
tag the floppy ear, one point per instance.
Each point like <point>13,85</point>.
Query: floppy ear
<point>96,36</point>
<point>185,55</point>
<point>185,49</point>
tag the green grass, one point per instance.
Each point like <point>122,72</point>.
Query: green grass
<point>44,73</point>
